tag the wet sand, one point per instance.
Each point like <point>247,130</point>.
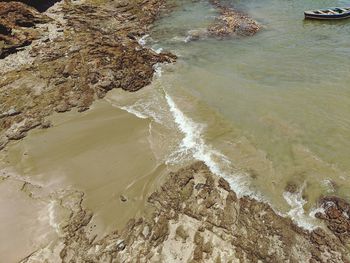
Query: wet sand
<point>103,152</point>
<point>25,222</point>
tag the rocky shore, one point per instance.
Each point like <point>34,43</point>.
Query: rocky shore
<point>74,54</point>
<point>79,50</point>
<point>197,218</point>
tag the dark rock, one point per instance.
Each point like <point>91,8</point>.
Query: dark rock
<point>123,198</point>
<point>17,22</point>
<point>62,108</point>
<point>336,215</point>
<point>121,245</point>
<point>46,124</point>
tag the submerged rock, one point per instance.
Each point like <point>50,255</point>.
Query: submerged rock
<point>228,23</point>
<point>231,22</point>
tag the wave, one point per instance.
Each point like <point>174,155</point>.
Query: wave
<point>131,109</point>
<point>297,212</point>
<point>161,108</point>
<point>193,144</point>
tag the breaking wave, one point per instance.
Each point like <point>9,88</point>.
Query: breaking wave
<point>193,145</point>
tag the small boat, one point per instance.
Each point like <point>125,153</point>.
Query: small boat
<point>331,13</point>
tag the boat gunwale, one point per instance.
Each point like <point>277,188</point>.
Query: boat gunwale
<point>312,15</point>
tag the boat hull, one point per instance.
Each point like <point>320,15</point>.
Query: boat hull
<point>330,14</point>
<point>327,17</point>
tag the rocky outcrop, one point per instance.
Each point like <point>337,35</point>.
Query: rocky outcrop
<point>337,216</point>
<point>17,22</point>
<point>84,50</point>
<point>39,5</point>
<point>198,218</point>
<point>231,22</point>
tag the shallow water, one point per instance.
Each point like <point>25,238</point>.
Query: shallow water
<point>265,111</point>
<point>103,152</point>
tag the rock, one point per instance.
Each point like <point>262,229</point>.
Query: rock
<point>291,187</point>
<point>3,142</point>
<point>146,231</point>
<point>92,55</point>
<point>197,34</point>
<point>46,124</point>
<point>123,198</point>
<point>62,108</point>
<point>258,234</point>
<point>13,112</point>
<point>231,22</point>
<point>181,232</point>
<point>121,245</point>
<point>224,184</point>
<point>17,22</point>
<point>336,216</point>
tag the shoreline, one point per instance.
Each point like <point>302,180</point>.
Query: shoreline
<point>197,217</point>
<point>77,58</point>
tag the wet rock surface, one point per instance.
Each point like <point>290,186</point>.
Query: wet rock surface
<point>198,218</point>
<point>231,22</point>
<point>83,50</point>
<point>337,216</point>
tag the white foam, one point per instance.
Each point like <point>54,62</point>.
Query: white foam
<point>297,212</point>
<point>158,70</point>
<point>143,40</point>
<point>194,145</point>
<point>142,109</point>
<point>179,39</point>
<point>52,217</point>
<point>157,50</point>
<point>133,111</point>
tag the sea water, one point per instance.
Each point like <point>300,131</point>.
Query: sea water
<point>269,112</point>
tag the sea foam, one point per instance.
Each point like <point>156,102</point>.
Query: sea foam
<point>297,212</point>
<point>193,144</point>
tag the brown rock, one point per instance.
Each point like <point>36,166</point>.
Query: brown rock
<point>93,56</point>
<point>17,22</point>
<point>181,232</point>
<point>231,22</point>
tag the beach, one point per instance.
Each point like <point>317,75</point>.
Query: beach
<point>171,131</point>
